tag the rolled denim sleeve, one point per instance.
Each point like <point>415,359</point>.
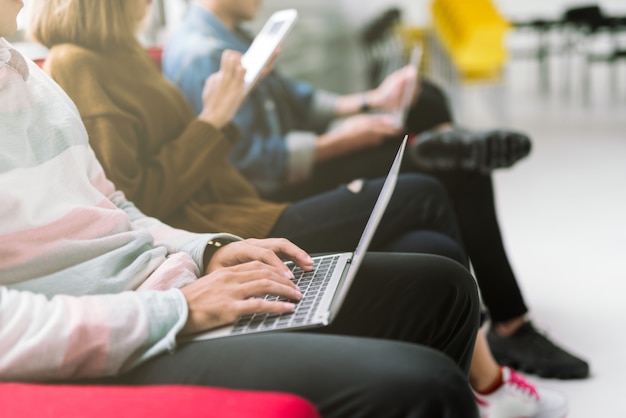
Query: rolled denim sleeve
<point>300,152</point>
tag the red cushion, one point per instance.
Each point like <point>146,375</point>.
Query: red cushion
<point>56,401</point>
<point>39,61</point>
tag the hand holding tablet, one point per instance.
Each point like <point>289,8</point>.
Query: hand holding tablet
<point>400,114</point>
<point>259,55</point>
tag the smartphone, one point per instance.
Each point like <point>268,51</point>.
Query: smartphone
<point>400,114</point>
<point>265,44</point>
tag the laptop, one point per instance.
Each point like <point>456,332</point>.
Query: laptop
<point>325,287</point>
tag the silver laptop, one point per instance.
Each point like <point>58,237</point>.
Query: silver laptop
<point>325,287</point>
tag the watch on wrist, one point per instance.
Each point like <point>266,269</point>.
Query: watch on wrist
<point>365,103</point>
<point>213,245</point>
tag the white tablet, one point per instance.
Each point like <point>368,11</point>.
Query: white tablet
<point>265,43</point>
<point>399,115</point>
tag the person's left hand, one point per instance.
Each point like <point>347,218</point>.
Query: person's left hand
<point>269,251</point>
<point>388,96</point>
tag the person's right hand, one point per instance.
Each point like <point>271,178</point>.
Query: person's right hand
<point>388,96</point>
<point>270,251</point>
<point>223,91</point>
<point>230,292</point>
<point>354,133</point>
<point>238,272</point>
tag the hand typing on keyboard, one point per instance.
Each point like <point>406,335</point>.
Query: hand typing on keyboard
<point>236,274</point>
<point>312,284</point>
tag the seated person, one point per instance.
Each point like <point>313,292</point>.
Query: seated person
<point>173,165</point>
<point>283,153</point>
<point>322,222</point>
<point>92,289</point>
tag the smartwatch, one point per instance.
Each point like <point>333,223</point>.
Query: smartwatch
<point>213,245</point>
<point>365,104</point>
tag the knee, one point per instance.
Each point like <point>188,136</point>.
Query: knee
<point>421,186</point>
<point>456,288</point>
<point>452,277</point>
<point>424,383</point>
<point>428,242</point>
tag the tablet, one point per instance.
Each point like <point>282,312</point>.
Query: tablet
<point>400,114</point>
<point>265,44</point>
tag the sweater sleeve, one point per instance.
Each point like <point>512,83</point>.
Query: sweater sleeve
<point>68,337</point>
<point>175,240</point>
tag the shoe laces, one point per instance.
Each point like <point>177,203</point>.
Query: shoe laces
<point>519,384</point>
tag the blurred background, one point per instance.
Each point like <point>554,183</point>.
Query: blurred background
<point>554,69</point>
<point>470,45</point>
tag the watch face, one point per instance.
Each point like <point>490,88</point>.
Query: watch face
<point>213,245</point>
<point>217,243</point>
<point>220,242</point>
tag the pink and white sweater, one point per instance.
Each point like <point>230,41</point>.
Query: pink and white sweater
<point>88,284</point>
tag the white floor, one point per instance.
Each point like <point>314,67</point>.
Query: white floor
<point>563,215</point>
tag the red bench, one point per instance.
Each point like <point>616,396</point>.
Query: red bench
<point>19,400</point>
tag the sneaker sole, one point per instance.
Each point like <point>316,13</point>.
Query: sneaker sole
<point>560,374</point>
<point>485,154</point>
<point>501,150</point>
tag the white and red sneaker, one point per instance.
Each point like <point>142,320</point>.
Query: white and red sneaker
<point>517,398</point>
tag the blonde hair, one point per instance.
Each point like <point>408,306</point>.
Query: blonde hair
<point>94,24</point>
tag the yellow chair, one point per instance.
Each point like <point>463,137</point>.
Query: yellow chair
<point>472,32</point>
<point>467,49</point>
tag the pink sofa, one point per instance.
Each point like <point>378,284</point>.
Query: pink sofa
<point>18,400</point>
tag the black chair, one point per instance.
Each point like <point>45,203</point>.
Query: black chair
<point>587,18</point>
<point>577,29</point>
<point>382,46</point>
<point>590,21</point>
<point>544,30</point>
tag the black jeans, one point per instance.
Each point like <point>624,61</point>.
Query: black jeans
<point>471,194</point>
<point>400,347</point>
<point>418,219</point>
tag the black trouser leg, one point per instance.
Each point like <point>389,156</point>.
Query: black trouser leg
<point>473,199</point>
<point>418,218</point>
<point>378,366</point>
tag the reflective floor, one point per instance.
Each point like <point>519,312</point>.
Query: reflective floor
<point>563,214</point>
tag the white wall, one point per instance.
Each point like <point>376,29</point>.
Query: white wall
<point>553,8</point>
<point>359,11</point>
<point>417,11</point>
<point>323,41</point>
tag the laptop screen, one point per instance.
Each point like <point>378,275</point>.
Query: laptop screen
<point>380,206</point>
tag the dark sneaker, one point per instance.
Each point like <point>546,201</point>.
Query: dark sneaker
<point>466,150</point>
<point>532,352</point>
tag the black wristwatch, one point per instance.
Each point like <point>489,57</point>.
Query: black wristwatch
<point>365,104</point>
<point>213,245</point>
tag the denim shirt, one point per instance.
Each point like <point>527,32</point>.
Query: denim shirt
<point>279,121</point>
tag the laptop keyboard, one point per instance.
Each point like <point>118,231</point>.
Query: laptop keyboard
<point>312,284</point>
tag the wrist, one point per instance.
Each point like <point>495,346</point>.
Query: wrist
<point>212,120</point>
<point>369,101</point>
<point>365,105</point>
<point>212,247</point>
